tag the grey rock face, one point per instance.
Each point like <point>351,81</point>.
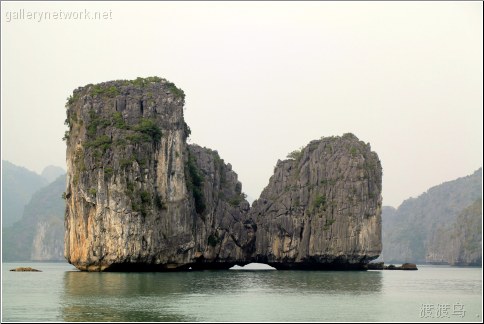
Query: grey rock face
<point>138,197</point>
<point>321,209</point>
<point>224,235</point>
<point>458,243</point>
<point>127,201</point>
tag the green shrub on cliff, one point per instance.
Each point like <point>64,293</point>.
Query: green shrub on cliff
<point>159,202</point>
<point>296,154</point>
<point>71,99</point>
<point>176,91</point>
<point>142,82</point>
<point>146,130</point>
<point>108,172</point>
<point>103,142</point>
<point>236,200</point>
<point>96,122</point>
<point>213,240</point>
<point>118,121</point>
<point>145,197</point>
<point>327,224</point>
<point>194,184</point>
<point>148,126</point>
<point>99,89</point>
<point>319,202</point>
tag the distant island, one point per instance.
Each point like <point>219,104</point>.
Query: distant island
<point>140,198</point>
<point>441,226</point>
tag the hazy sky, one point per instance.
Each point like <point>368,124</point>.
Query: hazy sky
<point>262,79</point>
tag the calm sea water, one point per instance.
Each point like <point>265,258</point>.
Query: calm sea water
<point>60,293</point>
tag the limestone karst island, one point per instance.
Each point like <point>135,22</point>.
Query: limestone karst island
<point>139,198</point>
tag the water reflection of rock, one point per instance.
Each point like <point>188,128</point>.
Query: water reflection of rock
<point>120,297</point>
<point>182,296</point>
<point>307,282</point>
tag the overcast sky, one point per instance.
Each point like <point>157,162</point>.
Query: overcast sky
<point>262,79</point>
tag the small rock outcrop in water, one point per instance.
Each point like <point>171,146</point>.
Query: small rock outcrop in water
<point>409,266</point>
<point>25,269</point>
<point>381,266</point>
<point>138,197</point>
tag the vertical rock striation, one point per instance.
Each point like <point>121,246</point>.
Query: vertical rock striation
<point>224,235</point>
<point>322,208</point>
<point>125,182</point>
<point>136,193</point>
<point>138,197</point>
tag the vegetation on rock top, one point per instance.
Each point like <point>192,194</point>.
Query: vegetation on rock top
<point>115,88</point>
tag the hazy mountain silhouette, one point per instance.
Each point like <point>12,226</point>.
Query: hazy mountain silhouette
<point>18,185</point>
<point>410,233</point>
